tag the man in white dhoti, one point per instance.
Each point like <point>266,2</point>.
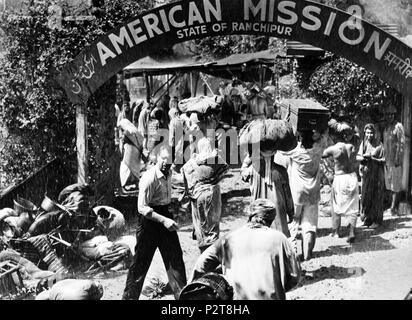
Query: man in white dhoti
<point>345,187</point>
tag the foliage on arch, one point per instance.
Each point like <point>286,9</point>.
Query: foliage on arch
<point>349,89</point>
<point>35,111</point>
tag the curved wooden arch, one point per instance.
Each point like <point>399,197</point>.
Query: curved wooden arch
<point>305,21</point>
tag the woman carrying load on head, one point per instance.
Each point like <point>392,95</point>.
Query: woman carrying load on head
<point>269,180</point>
<point>372,170</point>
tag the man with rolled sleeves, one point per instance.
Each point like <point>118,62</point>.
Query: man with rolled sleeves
<point>156,229</point>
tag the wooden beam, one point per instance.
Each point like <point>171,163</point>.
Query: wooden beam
<point>407,127</point>
<point>81,144</point>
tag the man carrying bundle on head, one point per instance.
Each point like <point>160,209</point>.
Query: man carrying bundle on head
<point>268,179</point>
<point>257,261</point>
<point>258,103</point>
<point>305,173</point>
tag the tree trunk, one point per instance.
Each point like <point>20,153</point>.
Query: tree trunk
<point>103,156</point>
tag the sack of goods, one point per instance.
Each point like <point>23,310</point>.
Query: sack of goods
<point>131,132</point>
<point>305,114</point>
<point>201,104</point>
<point>73,289</point>
<point>269,134</point>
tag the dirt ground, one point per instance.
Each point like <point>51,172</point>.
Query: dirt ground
<point>377,266</point>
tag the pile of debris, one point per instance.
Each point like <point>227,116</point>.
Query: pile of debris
<point>43,245</point>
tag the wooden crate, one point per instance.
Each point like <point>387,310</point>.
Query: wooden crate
<point>10,278</point>
<point>305,114</point>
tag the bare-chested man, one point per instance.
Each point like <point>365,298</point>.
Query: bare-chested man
<point>258,105</point>
<point>345,187</point>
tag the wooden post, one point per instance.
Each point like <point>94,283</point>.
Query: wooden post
<point>81,144</point>
<point>407,127</point>
<point>121,84</point>
<point>146,77</point>
<point>192,94</point>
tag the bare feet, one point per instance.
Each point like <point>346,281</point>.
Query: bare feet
<point>351,237</point>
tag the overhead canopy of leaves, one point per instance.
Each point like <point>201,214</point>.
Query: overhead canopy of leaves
<point>349,89</point>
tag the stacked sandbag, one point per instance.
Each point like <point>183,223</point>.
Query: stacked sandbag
<point>73,289</point>
<point>269,135</point>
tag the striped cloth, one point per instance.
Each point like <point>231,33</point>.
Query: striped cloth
<point>48,254</point>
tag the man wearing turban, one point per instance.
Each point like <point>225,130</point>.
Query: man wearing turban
<point>256,260</point>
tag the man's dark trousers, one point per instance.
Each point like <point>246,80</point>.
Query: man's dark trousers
<point>151,235</point>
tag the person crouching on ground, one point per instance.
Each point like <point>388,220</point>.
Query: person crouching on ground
<point>156,229</point>
<point>345,187</point>
<point>256,260</point>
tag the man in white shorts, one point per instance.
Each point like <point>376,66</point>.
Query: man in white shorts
<point>345,187</point>
<point>304,177</point>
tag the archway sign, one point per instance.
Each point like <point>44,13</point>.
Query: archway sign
<point>305,21</point>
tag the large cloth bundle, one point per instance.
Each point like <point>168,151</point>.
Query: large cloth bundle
<point>270,134</point>
<point>201,104</point>
<point>96,247</point>
<point>131,132</point>
<point>82,188</point>
<point>73,289</point>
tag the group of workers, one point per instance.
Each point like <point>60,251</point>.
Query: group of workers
<point>260,259</point>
